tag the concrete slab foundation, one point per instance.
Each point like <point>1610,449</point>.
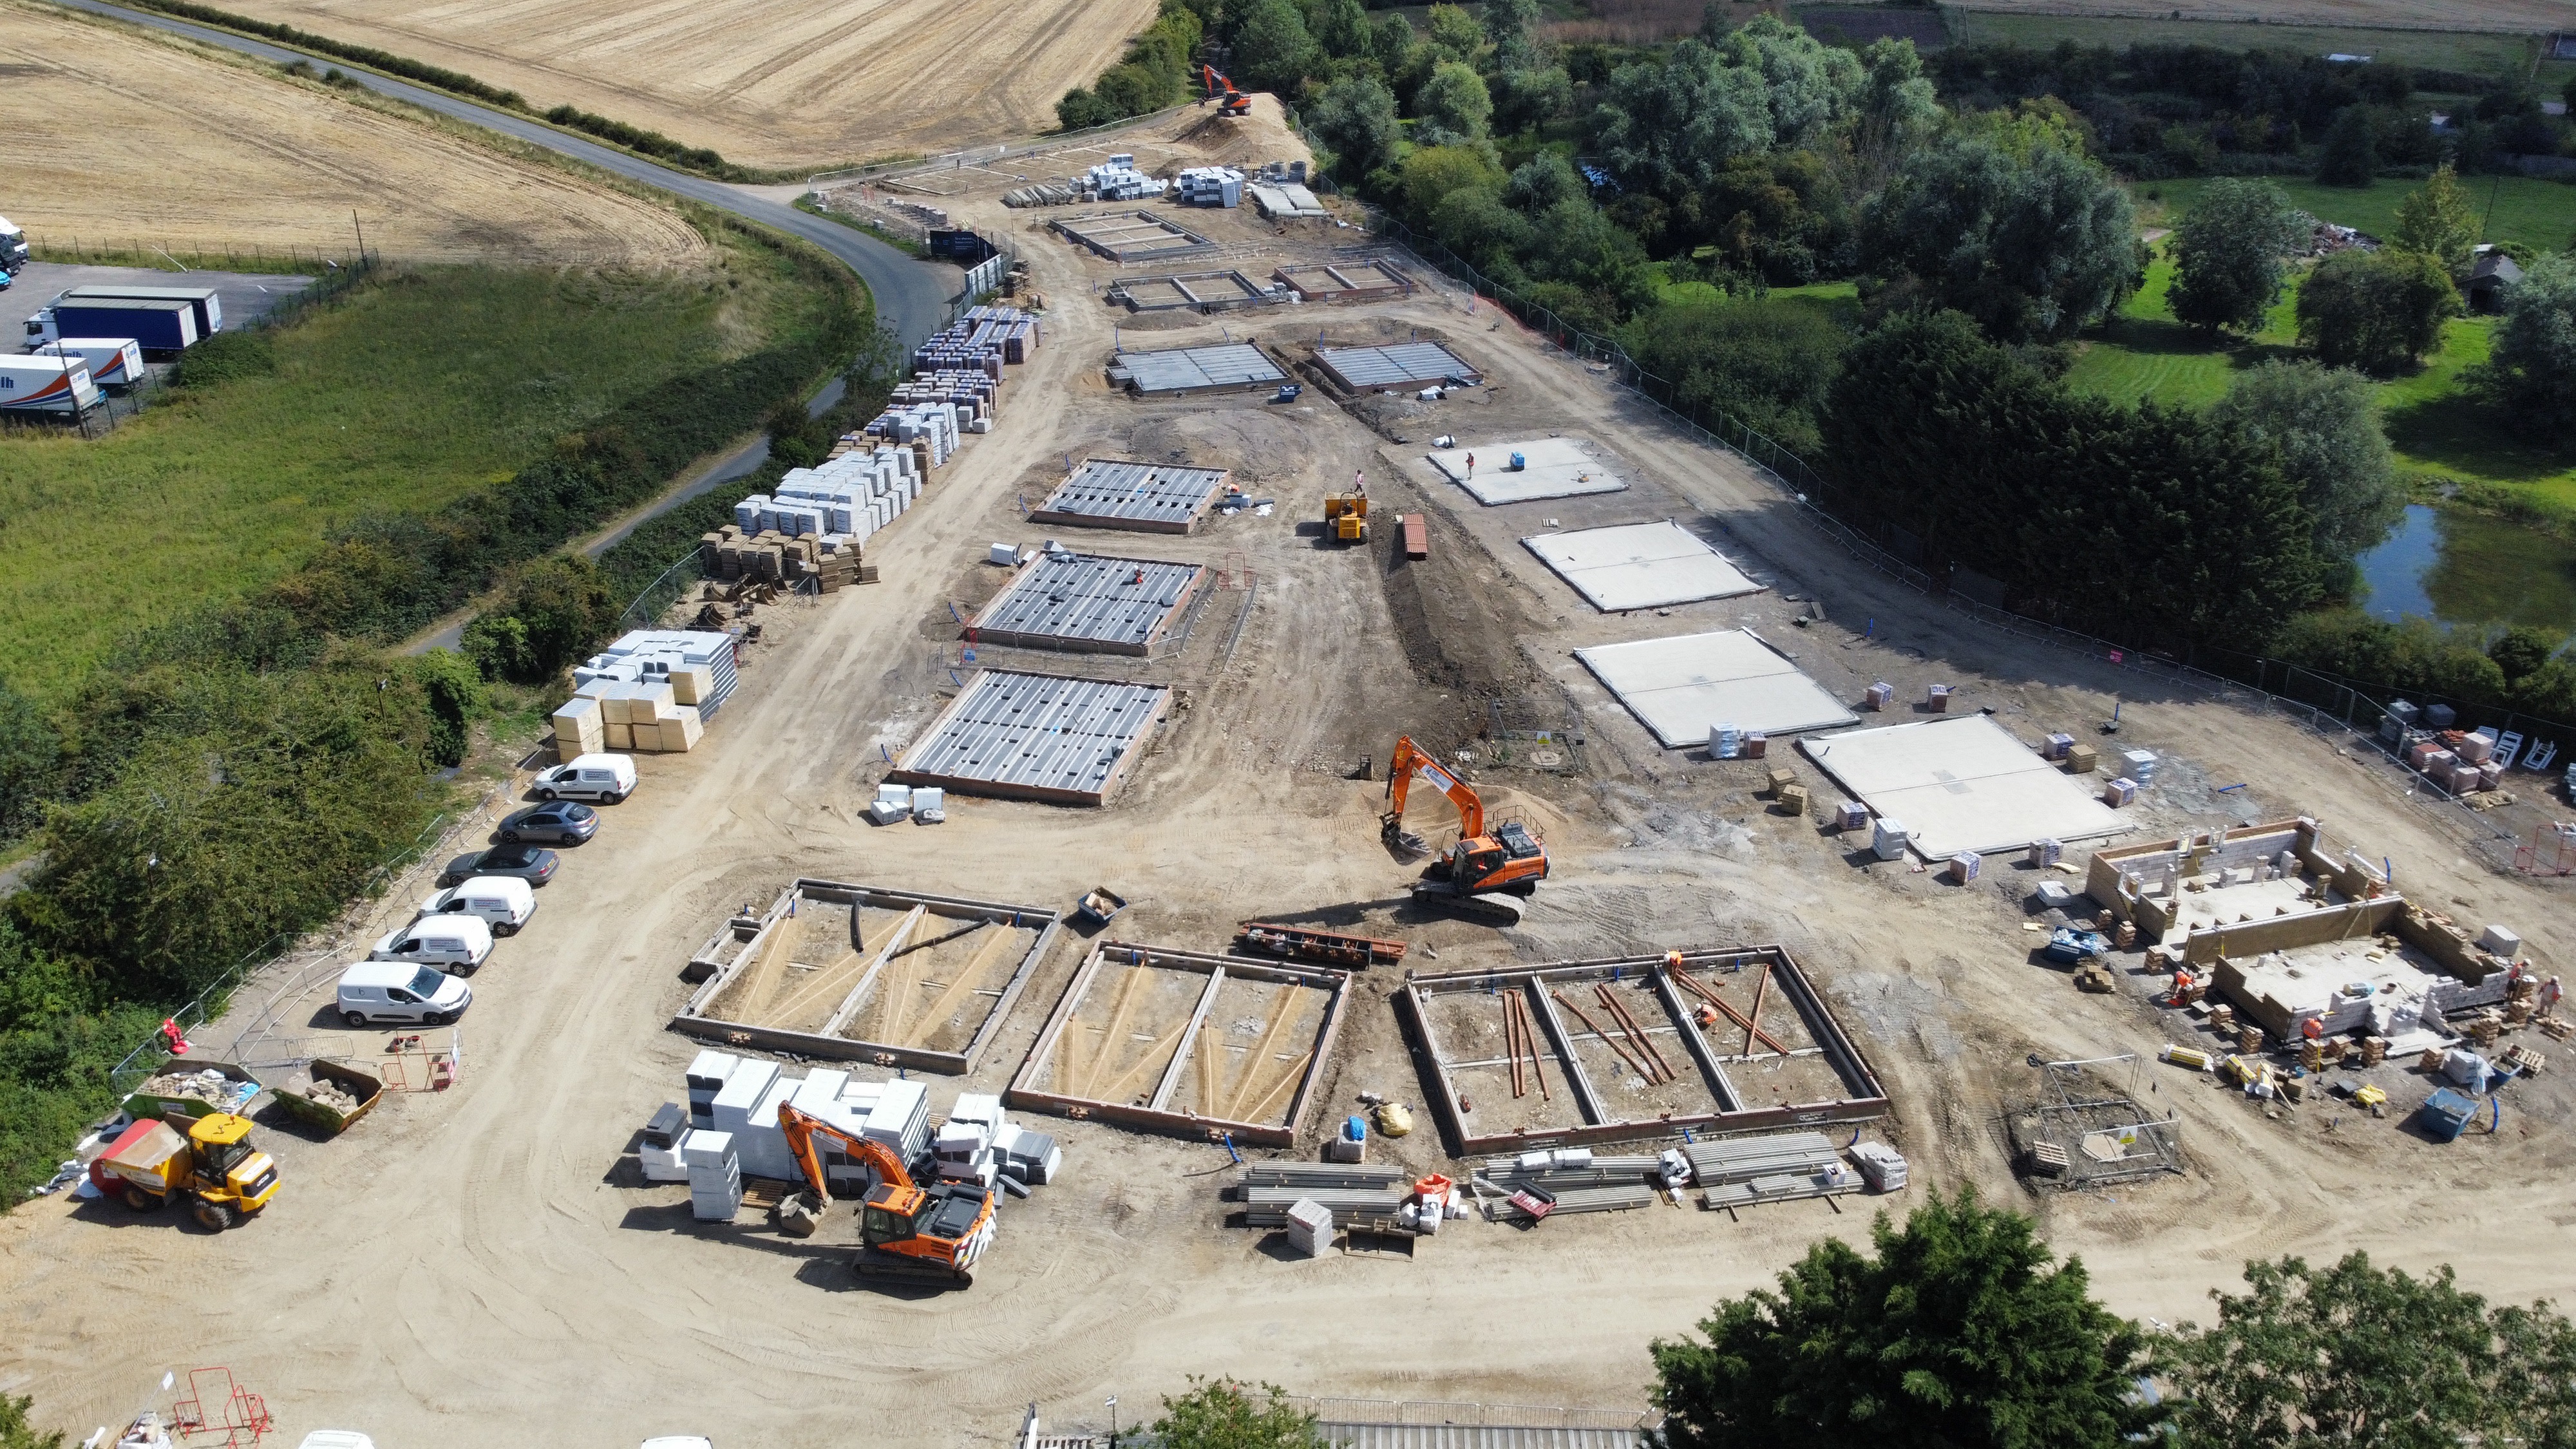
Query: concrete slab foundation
<point>1188,371</point>
<point>1963,784</point>
<point>1680,686</point>
<point>1191,291</point>
<point>1404,365</point>
<point>1037,737</point>
<point>1133,236</point>
<point>1186,1042</point>
<point>1550,468</point>
<point>1345,282</point>
<point>1640,565</point>
<point>845,972</point>
<point>1088,603</point>
<point>1622,1054</point>
<point>1139,497</point>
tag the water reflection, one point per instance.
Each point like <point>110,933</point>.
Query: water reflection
<point>2456,567</point>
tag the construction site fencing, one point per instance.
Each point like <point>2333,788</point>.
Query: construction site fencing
<point>1433,1413</point>
<point>2354,707</point>
<point>668,588</point>
<point>210,1003</point>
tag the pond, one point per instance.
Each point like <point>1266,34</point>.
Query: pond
<point>2461,568</point>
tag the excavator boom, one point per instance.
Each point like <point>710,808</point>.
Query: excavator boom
<point>908,1231</point>
<point>1410,758</point>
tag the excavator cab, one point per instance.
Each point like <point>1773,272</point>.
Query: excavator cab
<point>1220,89</point>
<point>905,1230</point>
<point>1479,866</point>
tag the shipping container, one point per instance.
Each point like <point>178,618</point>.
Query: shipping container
<point>112,361</point>
<point>203,301</point>
<point>45,385</point>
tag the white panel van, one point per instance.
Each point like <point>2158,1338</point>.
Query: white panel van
<point>450,943</point>
<point>400,991</point>
<point>503,901</point>
<point>605,778</point>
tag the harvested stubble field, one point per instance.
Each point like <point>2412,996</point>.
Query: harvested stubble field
<point>778,83</point>
<point>124,139</point>
<point>2444,34</point>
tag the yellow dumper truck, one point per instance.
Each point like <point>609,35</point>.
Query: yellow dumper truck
<point>213,1167</point>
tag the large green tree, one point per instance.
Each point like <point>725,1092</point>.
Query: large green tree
<point>1273,50</point>
<point>2232,253</point>
<point>2350,156</point>
<point>2325,422</point>
<point>2531,374</point>
<point>1355,119</point>
<point>2354,1356</point>
<point>1959,1331</point>
<point>2019,230</point>
<point>16,1432</point>
<point>1223,1414</point>
<point>1454,105</point>
<point>2376,311</point>
<point>1769,365</point>
<point>2439,220</point>
<point>31,762</point>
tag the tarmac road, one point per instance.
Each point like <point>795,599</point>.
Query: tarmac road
<point>912,297</point>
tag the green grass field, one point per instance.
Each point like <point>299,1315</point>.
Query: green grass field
<point>408,393</point>
<point>2539,214</point>
<point>2436,428</point>
<point>2471,52</point>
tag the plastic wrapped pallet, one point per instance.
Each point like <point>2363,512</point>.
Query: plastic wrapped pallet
<point>647,737</point>
<point>1881,1166</point>
<point>1963,867</point>
<point>1850,815</point>
<point>2123,791</point>
<point>1878,695</point>
<point>2056,747</point>
<point>2045,853</point>
<point>1888,839</point>
<point>621,737</point>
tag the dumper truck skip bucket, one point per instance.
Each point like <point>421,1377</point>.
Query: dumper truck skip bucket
<point>298,1100</point>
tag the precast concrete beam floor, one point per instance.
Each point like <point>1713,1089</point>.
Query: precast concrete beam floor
<point>1145,497</point>
<point>1963,784</point>
<point>1550,468</point>
<point>1087,602</point>
<point>1679,686</point>
<point>1640,565</point>
<point>1037,737</point>
<point>1405,364</point>
<point>1183,370</point>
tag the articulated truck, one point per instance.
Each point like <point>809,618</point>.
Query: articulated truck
<point>162,327</point>
<point>45,385</point>
<point>112,361</point>
<point>13,248</point>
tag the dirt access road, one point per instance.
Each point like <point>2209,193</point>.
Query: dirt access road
<point>120,138</point>
<point>454,1267</point>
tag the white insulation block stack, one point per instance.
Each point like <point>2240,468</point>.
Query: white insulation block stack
<point>715,1175</point>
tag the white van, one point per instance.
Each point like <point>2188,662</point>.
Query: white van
<point>450,943</point>
<point>401,991</point>
<point>504,902</point>
<point>605,778</point>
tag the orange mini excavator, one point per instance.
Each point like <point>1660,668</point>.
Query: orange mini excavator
<point>1479,875</point>
<point>933,1234</point>
<point>1229,101</point>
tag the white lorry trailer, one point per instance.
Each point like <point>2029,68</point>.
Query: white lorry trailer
<point>112,361</point>
<point>45,385</point>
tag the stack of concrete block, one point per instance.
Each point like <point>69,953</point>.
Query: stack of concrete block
<point>715,1175</point>
<point>1888,839</point>
<point>580,728</point>
<point>1210,186</point>
<point>896,1114</point>
<point>1878,695</point>
<point>1963,867</point>
<point>1881,1166</point>
<point>1310,1227</point>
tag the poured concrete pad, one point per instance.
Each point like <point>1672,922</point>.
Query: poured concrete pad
<point>1088,602</point>
<point>1551,468</point>
<point>1640,565</point>
<point>1680,686</point>
<point>1962,784</point>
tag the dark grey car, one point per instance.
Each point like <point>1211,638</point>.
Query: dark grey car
<point>565,822</point>
<point>530,863</point>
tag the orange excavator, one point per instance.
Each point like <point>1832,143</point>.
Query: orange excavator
<point>1478,875</point>
<point>933,1234</point>
<point>1229,101</point>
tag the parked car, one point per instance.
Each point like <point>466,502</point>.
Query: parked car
<point>400,991</point>
<point>504,902</point>
<point>529,863</point>
<point>604,778</point>
<point>450,943</point>
<point>565,822</point>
